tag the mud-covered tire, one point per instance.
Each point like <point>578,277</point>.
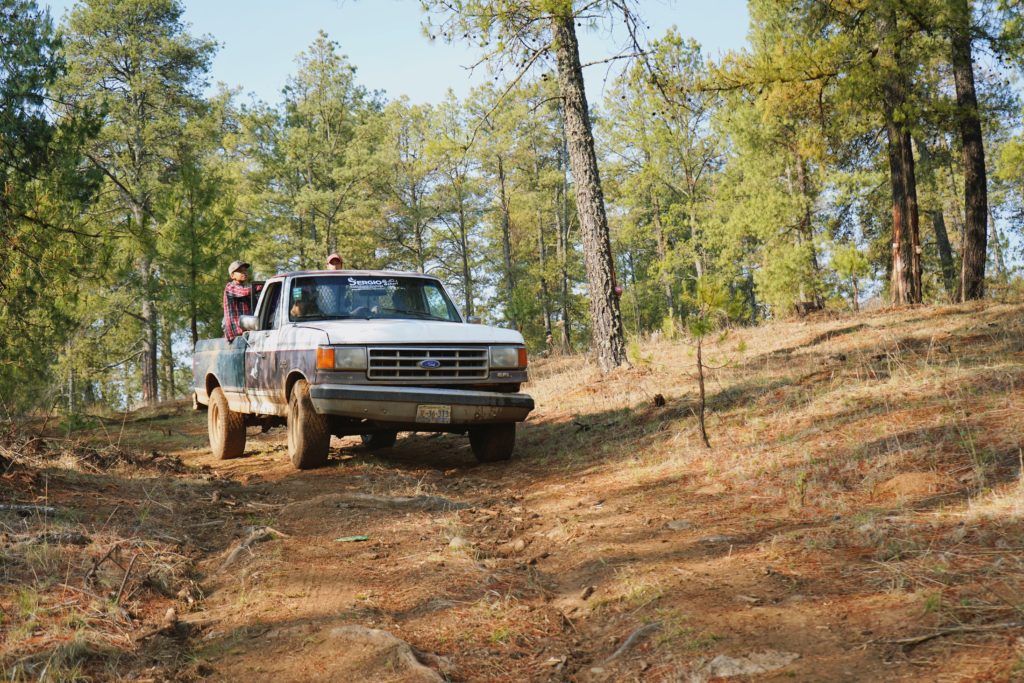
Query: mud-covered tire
<point>226,427</point>
<point>379,440</point>
<point>493,443</point>
<point>309,434</point>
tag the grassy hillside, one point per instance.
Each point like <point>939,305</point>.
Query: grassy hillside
<point>860,516</point>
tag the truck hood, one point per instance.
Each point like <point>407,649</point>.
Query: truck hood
<point>413,332</point>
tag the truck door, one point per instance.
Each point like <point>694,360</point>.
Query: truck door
<point>260,356</point>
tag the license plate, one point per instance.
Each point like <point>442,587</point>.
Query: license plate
<point>434,414</point>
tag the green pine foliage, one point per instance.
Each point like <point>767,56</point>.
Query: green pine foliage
<point>752,185</point>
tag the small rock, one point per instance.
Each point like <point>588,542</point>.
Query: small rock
<point>458,542</point>
<point>724,666</point>
<point>519,546</point>
<point>717,539</point>
<point>597,669</point>
<point>171,617</point>
<point>587,592</point>
<point>679,524</point>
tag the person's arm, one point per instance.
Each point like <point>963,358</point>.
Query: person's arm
<point>237,291</point>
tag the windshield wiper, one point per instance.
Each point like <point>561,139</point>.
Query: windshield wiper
<point>416,314</point>
<point>323,318</point>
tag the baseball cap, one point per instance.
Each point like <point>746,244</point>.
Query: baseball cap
<point>334,257</point>
<point>235,265</point>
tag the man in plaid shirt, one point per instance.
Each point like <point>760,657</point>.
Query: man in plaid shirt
<point>237,299</point>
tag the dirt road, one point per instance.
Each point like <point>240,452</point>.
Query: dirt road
<point>845,527</point>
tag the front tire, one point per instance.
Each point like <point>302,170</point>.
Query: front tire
<point>225,426</point>
<point>379,440</point>
<point>309,435</point>
<point>493,443</point>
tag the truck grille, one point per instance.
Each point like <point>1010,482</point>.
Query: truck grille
<point>406,362</point>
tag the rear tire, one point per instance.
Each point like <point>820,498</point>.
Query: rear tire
<point>225,426</point>
<point>309,434</point>
<point>493,443</point>
<point>379,440</point>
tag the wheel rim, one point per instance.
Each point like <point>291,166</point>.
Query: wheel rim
<point>293,426</point>
<point>215,426</point>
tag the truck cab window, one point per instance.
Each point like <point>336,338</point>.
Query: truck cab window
<point>271,301</point>
<point>437,303</point>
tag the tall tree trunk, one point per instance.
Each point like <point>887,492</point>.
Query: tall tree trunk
<point>545,298</point>
<point>564,223</point>
<point>949,279</point>
<point>913,218</point>
<point>938,220</point>
<point>150,374</point>
<point>167,359</point>
<point>506,242</point>
<point>666,280</point>
<point>906,258</point>
<point>997,252</point>
<point>545,302</point>
<point>972,275</point>
<point>905,283</point>
<point>193,280</point>
<point>807,227</point>
<point>606,321</point>
<point>467,276</point>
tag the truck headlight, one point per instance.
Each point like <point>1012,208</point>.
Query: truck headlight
<point>508,357</point>
<point>340,358</point>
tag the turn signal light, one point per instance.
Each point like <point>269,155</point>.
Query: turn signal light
<point>522,358</point>
<point>325,358</point>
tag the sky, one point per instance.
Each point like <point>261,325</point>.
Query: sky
<point>383,39</point>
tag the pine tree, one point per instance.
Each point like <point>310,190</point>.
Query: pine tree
<point>134,60</point>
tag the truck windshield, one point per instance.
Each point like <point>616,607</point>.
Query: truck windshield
<point>342,297</point>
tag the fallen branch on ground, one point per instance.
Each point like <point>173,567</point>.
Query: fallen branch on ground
<point>258,535</point>
<point>912,642</point>
<point>633,639</point>
<point>117,598</point>
<point>41,509</point>
<point>55,538</point>
<point>97,563</point>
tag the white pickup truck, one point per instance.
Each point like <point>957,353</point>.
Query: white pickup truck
<point>369,353</point>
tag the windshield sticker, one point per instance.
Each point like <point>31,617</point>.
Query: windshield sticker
<point>388,283</point>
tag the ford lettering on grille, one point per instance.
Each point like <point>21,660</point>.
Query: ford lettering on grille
<point>441,364</point>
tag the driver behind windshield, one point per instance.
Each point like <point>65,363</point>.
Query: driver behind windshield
<point>305,305</point>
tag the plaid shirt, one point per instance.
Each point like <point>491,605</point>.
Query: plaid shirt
<point>236,304</point>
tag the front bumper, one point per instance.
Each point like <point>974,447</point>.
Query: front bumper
<point>399,404</point>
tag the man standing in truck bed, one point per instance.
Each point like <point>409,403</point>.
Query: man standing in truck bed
<point>237,299</point>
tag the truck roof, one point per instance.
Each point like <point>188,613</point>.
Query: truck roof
<point>371,273</point>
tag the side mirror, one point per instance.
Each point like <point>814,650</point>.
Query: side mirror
<point>249,323</point>
<point>474,320</point>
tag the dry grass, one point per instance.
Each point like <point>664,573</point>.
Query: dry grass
<point>93,554</point>
<point>887,445</point>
